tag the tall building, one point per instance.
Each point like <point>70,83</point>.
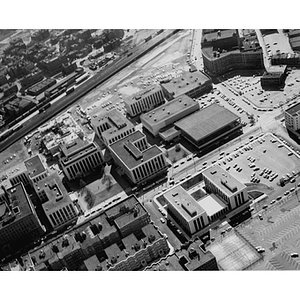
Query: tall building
<point>229,49</point>
<point>137,159</point>
<point>292,117</point>
<point>167,114</point>
<point>56,201</point>
<point>144,101</point>
<point>112,126</point>
<point>80,158</point>
<point>19,223</point>
<point>36,169</point>
<point>191,84</point>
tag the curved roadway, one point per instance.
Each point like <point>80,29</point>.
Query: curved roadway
<point>83,89</point>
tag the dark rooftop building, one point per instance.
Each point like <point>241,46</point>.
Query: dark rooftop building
<point>207,125</point>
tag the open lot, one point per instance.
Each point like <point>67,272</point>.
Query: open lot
<point>233,253</point>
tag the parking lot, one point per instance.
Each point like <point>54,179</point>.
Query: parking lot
<point>263,160</point>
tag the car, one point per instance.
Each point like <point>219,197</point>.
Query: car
<point>292,189</point>
<point>162,220</point>
<point>176,166</point>
<point>294,255</point>
<point>212,239</point>
<point>292,180</point>
<point>273,201</point>
<point>286,193</point>
<point>278,198</point>
<point>265,206</point>
<point>261,250</point>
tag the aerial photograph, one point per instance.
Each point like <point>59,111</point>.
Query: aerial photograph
<point>149,149</point>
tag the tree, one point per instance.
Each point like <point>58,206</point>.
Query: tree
<point>173,160</point>
<point>184,155</point>
<point>89,198</point>
<point>82,183</point>
<point>167,153</point>
<point>177,148</point>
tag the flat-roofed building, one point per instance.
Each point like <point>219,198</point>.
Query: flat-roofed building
<point>209,125</point>
<point>167,114</point>
<point>185,210</point>
<point>191,84</point>
<point>120,238</point>
<point>230,49</point>
<point>80,158</point>
<point>225,186</point>
<point>137,159</point>
<point>144,100</point>
<point>36,169</point>
<point>19,223</point>
<point>112,126</point>
<point>17,174</point>
<point>274,76</point>
<point>292,117</point>
<point>56,201</point>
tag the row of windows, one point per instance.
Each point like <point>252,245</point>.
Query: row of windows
<point>121,136</point>
<point>148,168</point>
<point>146,103</point>
<point>40,177</point>
<point>85,165</point>
<point>62,215</point>
<point>199,223</point>
<point>239,199</point>
<point>141,144</point>
<point>20,178</point>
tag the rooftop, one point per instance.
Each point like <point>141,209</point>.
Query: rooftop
<point>170,263</point>
<point>169,110</point>
<point>55,191</point>
<point>17,207</point>
<point>218,34</point>
<point>188,81</point>
<point>41,84</point>
<point>130,155</point>
<point>293,109</point>
<point>211,204</point>
<point>140,95</point>
<point>91,263</point>
<point>76,149</point>
<point>34,166</point>
<point>185,204</point>
<point>125,212</point>
<point>228,184</point>
<point>206,121</point>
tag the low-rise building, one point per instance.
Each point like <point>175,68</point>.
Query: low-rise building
<point>137,159</point>
<point>209,125</point>
<point>274,77</point>
<point>120,238</point>
<point>223,197</point>
<point>41,86</point>
<point>191,84</point>
<point>79,158</point>
<point>112,126</point>
<point>144,101</point>
<point>167,114</point>
<point>19,223</point>
<point>56,201</point>
<point>191,257</point>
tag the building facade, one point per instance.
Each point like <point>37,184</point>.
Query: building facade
<point>112,127</point>
<point>19,223</point>
<point>168,114</point>
<point>137,159</point>
<point>292,117</point>
<point>144,101</point>
<point>56,201</point>
<point>80,158</point>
